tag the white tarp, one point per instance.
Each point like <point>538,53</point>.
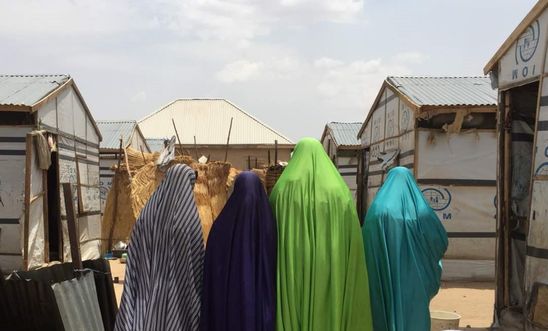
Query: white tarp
<point>524,59</point>
<point>467,155</point>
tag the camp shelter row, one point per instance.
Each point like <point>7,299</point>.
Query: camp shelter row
<point>444,130</point>
<point>519,70</point>
<point>41,114</point>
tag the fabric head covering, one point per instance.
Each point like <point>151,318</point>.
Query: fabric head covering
<point>404,243</point>
<point>240,262</point>
<point>163,281</point>
<point>321,276</point>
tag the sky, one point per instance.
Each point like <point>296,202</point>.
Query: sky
<point>293,64</point>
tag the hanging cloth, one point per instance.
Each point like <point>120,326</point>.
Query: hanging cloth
<point>43,150</point>
<point>321,273</point>
<point>404,243</point>
<point>240,262</point>
<point>163,279</point>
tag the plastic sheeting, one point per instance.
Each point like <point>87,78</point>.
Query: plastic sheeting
<point>78,305</point>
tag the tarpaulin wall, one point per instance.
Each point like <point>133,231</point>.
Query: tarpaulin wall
<point>455,171</point>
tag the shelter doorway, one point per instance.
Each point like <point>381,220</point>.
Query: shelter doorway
<point>54,210</point>
<point>518,110</point>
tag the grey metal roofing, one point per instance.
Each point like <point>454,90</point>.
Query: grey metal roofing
<point>113,130</point>
<point>446,91</point>
<point>209,120</point>
<point>155,145</point>
<point>345,134</point>
<point>27,90</point>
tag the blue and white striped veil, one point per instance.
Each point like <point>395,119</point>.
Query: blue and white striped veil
<point>163,281</point>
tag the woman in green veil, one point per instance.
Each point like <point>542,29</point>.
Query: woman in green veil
<point>321,272</point>
<point>404,243</point>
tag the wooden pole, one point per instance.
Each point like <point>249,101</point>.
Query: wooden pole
<point>178,139</point>
<point>115,212</point>
<point>46,214</point>
<point>228,138</point>
<point>143,154</point>
<point>269,161</point>
<point>248,162</point>
<point>507,124</point>
<point>28,164</point>
<point>127,164</point>
<point>195,149</point>
<point>71,226</point>
<point>275,151</point>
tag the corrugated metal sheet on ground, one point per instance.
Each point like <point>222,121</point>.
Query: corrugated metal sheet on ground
<point>446,91</point>
<point>345,134</point>
<point>112,131</point>
<point>209,121</point>
<point>77,303</point>
<point>26,289</point>
<point>28,90</point>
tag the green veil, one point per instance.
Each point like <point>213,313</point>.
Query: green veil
<point>404,243</point>
<point>321,275</point>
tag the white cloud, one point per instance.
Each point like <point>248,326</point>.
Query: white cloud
<point>412,57</point>
<point>239,71</point>
<point>237,22</point>
<point>355,84</point>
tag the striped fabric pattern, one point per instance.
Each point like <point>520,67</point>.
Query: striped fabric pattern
<point>163,280</point>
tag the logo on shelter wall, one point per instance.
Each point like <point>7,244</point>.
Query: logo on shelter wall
<point>527,43</point>
<point>439,199</point>
<point>526,47</point>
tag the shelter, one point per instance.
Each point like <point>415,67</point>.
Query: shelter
<point>203,126</point>
<point>519,69</point>
<point>33,227</point>
<point>117,137</point>
<point>443,128</point>
<point>340,142</point>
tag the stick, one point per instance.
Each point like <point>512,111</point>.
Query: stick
<point>178,139</point>
<point>143,154</point>
<point>28,164</point>
<point>115,213</point>
<point>228,138</point>
<point>71,226</point>
<point>46,214</point>
<point>195,149</point>
<point>127,164</point>
<point>275,151</point>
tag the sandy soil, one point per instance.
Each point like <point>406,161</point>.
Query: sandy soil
<point>473,301</point>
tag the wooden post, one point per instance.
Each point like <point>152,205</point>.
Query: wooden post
<point>269,161</point>
<point>46,214</point>
<point>79,185</point>
<point>143,154</point>
<point>228,138</point>
<point>249,162</point>
<point>256,162</point>
<point>115,212</point>
<point>127,164</point>
<point>507,194</point>
<point>178,139</point>
<point>275,151</point>
<point>195,149</point>
<point>71,226</point>
<point>28,169</point>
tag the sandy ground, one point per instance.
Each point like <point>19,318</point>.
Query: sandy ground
<point>473,301</point>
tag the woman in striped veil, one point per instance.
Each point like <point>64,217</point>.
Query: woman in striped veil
<point>163,280</point>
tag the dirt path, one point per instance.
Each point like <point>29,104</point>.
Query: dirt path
<point>473,301</point>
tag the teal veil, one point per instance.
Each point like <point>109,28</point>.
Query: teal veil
<point>404,242</point>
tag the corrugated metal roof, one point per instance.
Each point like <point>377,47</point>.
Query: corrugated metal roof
<point>345,134</point>
<point>155,145</point>
<point>446,91</point>
<point>113,130</point>
<point>26,90</point>
<point>209,121</point>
